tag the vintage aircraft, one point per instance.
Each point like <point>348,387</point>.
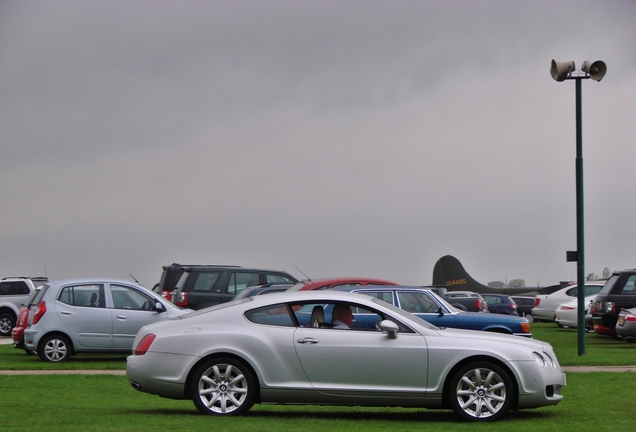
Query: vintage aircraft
<point>449,273</point>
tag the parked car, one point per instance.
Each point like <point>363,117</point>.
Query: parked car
<point>263,289</point>
<point>200,286</point>
<point>500,304</point>
<point>566,314</point>
<point>626,324</point>
<point>619,292</point>
<point>524,306</point>
<point>427,305</point>
<point>545,305</point>
<point>467,301</point>
<point>262,354</point>
<point>14,293</point>
<point>330,283</point>
<point>17,334</point>
<point>91,315</point>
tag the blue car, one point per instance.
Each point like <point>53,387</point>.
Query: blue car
<point>427,305</point>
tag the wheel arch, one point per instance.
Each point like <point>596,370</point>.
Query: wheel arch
<point>10,310</point>
<point>479,358</point>
<point>498,329</point>
<point>57,333</point>
<point>202,360</point>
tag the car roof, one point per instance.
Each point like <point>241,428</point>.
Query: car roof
<point>346,279</point>
<point>371,288</point>
<point>93,280</point>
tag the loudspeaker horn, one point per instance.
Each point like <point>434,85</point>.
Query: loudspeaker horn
<point>596,70</point>
<point>560,70</point>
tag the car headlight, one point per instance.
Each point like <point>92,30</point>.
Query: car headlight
<point>544,359</point>
<point>539,358</point>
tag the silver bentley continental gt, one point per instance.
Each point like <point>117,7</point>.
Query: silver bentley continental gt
<point>305,347</point>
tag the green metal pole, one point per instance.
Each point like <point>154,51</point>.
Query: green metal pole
<point>580,246</point>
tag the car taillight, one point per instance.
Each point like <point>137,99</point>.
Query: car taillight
<point>537,301</point>
<point>478,304</point>
<point>144,344</point>
<point>566,307</point>
<point>166,295</point>
<point>630,317</point>
<point>182,299</point>
<point>610,307</point>
<point>513,306</point>
<point>39,312</point>
<point>22,319</point>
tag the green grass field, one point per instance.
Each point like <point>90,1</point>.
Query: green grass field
<point>599,400</point>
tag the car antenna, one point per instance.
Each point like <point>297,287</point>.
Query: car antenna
<point>133,278</point>
<point>308,278</point>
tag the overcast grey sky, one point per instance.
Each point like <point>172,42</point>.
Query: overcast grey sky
<point>347,138</point>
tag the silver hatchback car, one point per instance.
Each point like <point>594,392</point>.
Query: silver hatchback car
<point>91,315</point>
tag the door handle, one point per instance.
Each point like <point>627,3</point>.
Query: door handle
<point>121,317</point>
<point>310,341</point>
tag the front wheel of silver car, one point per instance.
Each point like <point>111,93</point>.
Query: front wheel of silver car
<point>54,348</point>
<point>223,386</point>
<point>481,391</point>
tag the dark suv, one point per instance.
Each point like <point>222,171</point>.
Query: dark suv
<point>619,292</point>
<point>200,286</point>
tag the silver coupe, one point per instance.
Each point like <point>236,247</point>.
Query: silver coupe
<point>280,349</point>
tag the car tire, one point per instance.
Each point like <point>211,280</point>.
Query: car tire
<point>481,391</point>
<point>7,322</point>
<point>223,386</point>
<point>55,348</point>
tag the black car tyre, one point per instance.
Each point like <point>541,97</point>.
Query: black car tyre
<point>223,386</point>
<point>7,322</point>
<point>54,348</point>
<point>481,391</point>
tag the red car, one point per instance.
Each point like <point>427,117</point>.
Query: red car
<point>328,283</point>
<point>21,322</point>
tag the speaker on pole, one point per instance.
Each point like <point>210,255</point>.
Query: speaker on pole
<point>560,70</point>
<point>596,70</point>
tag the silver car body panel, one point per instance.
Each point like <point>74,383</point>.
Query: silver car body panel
<point>300,365</point>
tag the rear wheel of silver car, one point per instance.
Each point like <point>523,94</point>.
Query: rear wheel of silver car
<point>481,391</point>
<point>7,322</point>
<point>54,348</point>
<point>223,386</point>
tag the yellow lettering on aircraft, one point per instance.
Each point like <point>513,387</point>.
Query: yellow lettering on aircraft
<point>456,282</point>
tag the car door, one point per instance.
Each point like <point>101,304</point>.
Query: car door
<point>82,310</point>
<point>338,361</point>
<point>131,310</point>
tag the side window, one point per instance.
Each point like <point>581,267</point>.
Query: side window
<point>276,315</point>
<point>241,280</point>
<point>14,288</point>
<point>340,316</point>
<point>416,302</point>
<point>83,295</point>
<point>129,298</point>
<point>592,289</point>
<point>204,281</point>
<point>630,285</point>
<point>277,278</point>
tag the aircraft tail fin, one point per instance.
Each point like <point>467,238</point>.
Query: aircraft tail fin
<point>450,273</point>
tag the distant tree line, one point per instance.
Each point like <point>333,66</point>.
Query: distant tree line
<point>606,274</point>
